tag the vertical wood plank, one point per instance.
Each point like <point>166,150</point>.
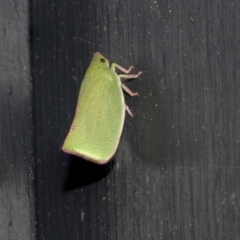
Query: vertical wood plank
<point>176,172</point>
<point>17,208</point>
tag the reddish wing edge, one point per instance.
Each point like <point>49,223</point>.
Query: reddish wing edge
<point>89,158</point>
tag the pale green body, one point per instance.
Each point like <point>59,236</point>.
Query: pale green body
<point>100,113</point>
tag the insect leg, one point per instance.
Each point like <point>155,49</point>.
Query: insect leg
<point>129,76</point>
<point>114,66</point>
<point>126,89</point>
<point>128,110</point>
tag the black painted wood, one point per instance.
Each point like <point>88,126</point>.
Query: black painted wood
<point>17,208</point>
<point>176,172</point>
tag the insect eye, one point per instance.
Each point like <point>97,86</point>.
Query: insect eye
<point>102,60</point>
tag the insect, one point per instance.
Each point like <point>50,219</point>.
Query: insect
<point>97,126</point>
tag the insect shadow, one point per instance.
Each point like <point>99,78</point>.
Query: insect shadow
<point>82,173</point>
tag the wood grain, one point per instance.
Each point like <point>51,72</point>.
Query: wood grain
<point>17,209</point>
<point>176,173</point>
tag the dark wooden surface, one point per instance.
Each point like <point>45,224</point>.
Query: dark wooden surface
<point>17,208</point>
<point>176,172</point>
